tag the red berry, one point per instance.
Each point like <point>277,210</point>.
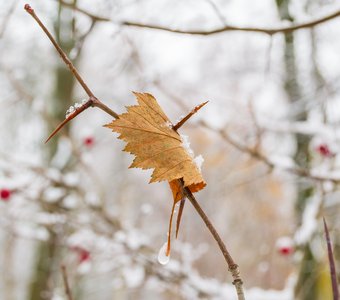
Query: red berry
<point>285,250</point>
<point>324,150</point>
<point>285,246</point>
<point>88,141</point>
<point>5,194</point>
<point>84,255</point>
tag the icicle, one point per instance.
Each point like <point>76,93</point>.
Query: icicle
<point>163,256</point>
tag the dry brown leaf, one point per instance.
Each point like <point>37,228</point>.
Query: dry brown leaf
<point>150,137</point>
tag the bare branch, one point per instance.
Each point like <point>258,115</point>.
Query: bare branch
<point>269,31</point>
<point>93,101</point>
<point>189,115</point>
<point>66,283</point>
<point>232,266</point>
<point>85,12</point>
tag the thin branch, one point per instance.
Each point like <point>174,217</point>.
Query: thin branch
<point>269,31</point>
<point>85,12</point>
<point>188,116</point>
<point>66,283</point>
<point>93,101</point>
<point>263,30</point>
<point>232,266</point>
<point>217,12</point>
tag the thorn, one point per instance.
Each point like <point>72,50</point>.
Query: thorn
<point>79,110</point>
<point>188,116</point>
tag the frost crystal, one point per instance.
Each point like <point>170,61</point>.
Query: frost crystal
<point>167,124</point>
<point>198,160</point>
<point>69,111</point>
<point>76,106</point>
<point>186,145</point>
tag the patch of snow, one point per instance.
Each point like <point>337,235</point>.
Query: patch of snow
<point>284,241</point>
<point>84,267</point>
<point>135,239</point>
<point>198,160</point>
<point>63,154</point>
<point>54,194</point>
<point>186,145</point>
<point>70,202</point>
<point>71,179</point>
<point>282,162</point>
<point>134,276</point>
<point>309,220</point>
<point>45,218</point>
<point>146,209</point>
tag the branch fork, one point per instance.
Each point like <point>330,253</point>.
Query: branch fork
<point>95,102</point>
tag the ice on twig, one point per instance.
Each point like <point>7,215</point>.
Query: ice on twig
<point>74,107</point>
<point>163,259</point>
<point>69,111</point>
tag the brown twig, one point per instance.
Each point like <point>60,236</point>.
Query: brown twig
<point>269,31</point>
<point>226,28</point>
<point>93,101</point>
<point>85,12</point>
<point>188,116</point>
<point>66,283</point>
<point>233,267</point>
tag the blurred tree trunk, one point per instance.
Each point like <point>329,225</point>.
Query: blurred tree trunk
<point>306,286</point>
<point>48,253</point>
